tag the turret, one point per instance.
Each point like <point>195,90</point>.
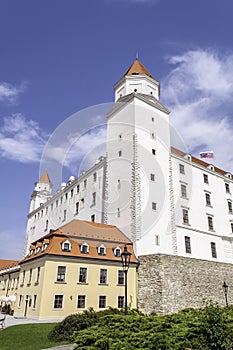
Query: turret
<point>137,79</point>
<point>42,192</point>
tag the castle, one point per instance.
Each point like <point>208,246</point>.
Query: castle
<point>175,208</point>
<point>165,200</point>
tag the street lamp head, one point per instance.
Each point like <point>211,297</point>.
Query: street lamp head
<point>125,258</point>
<point>225,287</point>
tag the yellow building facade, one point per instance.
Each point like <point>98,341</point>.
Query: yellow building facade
<point>71,269</point>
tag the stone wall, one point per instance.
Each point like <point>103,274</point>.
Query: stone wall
<point>169,283</point>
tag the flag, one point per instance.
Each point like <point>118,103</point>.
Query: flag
<point>209,154</point>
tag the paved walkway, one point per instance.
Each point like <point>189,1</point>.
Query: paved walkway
<point>13,321</point>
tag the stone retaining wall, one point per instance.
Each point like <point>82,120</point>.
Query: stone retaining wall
<point>169,283</point>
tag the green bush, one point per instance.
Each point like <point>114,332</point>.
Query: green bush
<point>80,321</point>
<point>203,329</point>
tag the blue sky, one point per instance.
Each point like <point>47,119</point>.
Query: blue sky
<point>58,57</point>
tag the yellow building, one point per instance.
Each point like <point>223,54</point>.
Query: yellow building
<point>71,269</point>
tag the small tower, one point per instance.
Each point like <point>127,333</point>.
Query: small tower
<point>42,192</point>
<point>137,79</point>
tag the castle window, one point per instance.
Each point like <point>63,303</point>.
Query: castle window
<point>61,274</point>
<point>30,277</point>
<point>46,225</point>
<point>46,210</point>
<point>103,276</point>
<point>119,153</point>
<point>23,277</point>
<point>183,191</point>
<point>61,200</point>
<point>210,223</point>
<point>152,177</point>
<point>94,177</point>
<point>157,240</point>
<point>76,207</point>
<point>34,301</point>
<point>207,199</point>
<point>82,275</point>
<point>187,244</point>
<point>117,251</point>
<point>93,218</point>
<point>58,301</point>
<point>37,275</point>
<point>102,250</point>
<point>66,195</point>
<point>42,212</point>
<point>185,216</point>
<point>154,206</point>
<point>102,301</point>
<point>52,206</point>
<point>84,248</point>
<point>231,227</point>
<point>118,184</point>
<point>64,215</point>
<point>82,203</point>
<point>71,193</point>
<point>77,188</point>
<point>66,246</point>
<point>153,136</point>
<point>94,198</point>
<point>152,119</point>
<point>227,187</point>
<point>120,302</point>
<point>229,206</point>
<point>118,212</point>
<point>205,177</point>
<point>181,167</point>
<point>119,136</point>
<point>213,250</point>
<point>81,302</point>
<point>20,301</point>
<point>121,277</point>
<point>85,183</point>
<point>153,151</point>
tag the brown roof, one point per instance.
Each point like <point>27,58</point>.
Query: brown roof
<point>8,263</point>
<point>138,68</point>
<point>79,232</point>
<point>45,178</point>
<point>197,161</point>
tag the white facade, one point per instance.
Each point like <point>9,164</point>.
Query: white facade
<point>164,200</point>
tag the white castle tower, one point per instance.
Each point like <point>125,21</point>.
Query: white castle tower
<point>42,192</point>
<point>138,162</point>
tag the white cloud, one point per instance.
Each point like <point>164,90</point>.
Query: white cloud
<point>10,93</point>
<point>21,139</point>
<point>198,91</point>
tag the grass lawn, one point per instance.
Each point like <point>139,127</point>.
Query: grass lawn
<point>27,337</point>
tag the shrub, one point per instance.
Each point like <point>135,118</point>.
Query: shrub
<point>80,321</point>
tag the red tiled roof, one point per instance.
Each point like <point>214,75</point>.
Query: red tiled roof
<point>138,68</point>
<point>8,263</point>
<point>79,232</point>
<point>198,161</point>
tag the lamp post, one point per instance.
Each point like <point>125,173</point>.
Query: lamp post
<point>125,259</point>
<point>225,289</point>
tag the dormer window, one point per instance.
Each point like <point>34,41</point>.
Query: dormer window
<point>101,250</point>
<point>228,175</point>
<point>66,246</point>
<point>84,248</point>
<point>117,251</point>
<point>188,157</point>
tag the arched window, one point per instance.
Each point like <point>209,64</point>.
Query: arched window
<point>117,251</point>
<point>66,246</point>
<point>101,250</point>
<point>84,248</point>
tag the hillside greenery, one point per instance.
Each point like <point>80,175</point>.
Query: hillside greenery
<point>210,328</point>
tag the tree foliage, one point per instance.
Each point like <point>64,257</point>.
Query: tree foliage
<point>210,328</point>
